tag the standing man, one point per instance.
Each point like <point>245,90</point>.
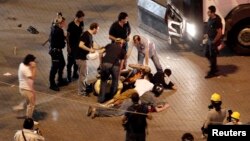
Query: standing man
<point>112,64</point>
<point>74,30</point>
<point>26,76</point>
<point>134,120</point>
<point>85,47</point>
<point>146,48</point>
<point>57,43</point>
<point>121,29</point>
<point>214,33</point>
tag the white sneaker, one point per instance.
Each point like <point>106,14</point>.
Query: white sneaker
<point>35,122</point>
<point>17,108</point>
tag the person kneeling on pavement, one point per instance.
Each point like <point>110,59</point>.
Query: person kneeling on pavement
<point>27,133</point>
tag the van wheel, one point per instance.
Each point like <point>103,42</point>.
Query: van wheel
<point>240,38</point>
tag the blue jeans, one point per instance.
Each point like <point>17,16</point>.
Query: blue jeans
<point>108,69</point>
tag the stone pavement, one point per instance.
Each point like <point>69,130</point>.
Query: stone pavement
<point>62,114</point>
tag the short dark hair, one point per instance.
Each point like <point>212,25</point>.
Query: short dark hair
<point>28,123</point>
<point>212,9</point>
<point>135,97</point>
<point>93,26</point>
<point>122,16</point>
<point>80,14</point>
<point>168,72</point>
<point>28,58</point>
<point>187,137</point>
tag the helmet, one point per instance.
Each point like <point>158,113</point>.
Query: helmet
<point>158,89</point>
<point>235,115</point>
<point>216,97</point>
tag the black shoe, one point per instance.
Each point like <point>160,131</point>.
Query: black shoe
<point>55,88</point>
<point>62,83</point>
<point>76,76</point>
<point>69,80</point>
<point>210,75</point>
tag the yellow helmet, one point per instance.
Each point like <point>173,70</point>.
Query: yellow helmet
<point>215,97</point>
<point>235,115</point>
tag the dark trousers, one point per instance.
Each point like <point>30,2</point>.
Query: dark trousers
<point>58,64</point>
<point>135,136</point>
<point>211,55</point>
<point>71,62</point>
<point>108,69</point>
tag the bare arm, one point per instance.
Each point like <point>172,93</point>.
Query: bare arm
<point>147,53</point>
<point>82,46</point>
<point>149,116</point>
<point>218,35</point>
<point>112,38</point>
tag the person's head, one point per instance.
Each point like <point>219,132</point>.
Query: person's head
<point>216,101</point>
<point>136,40</point>
<point>187,137</point>
<point>135,97</point>
<point>94,27</point>
<point>28,58</point>
<point>167,72</point>
<point>123,17</point>
<point>28,123</point>
<point>79,16</point>
<point>158,89</point>
<point>211,11</point>
<point>60,21</point>
<point>235,117</point>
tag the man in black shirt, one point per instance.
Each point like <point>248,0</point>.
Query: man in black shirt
<point>134,120</point>
<point>85,47</point>
<point>214,33</point>
<point>112,63</point>
<point>121,29</point>
<point>57,43</point>
<point>74,30</point>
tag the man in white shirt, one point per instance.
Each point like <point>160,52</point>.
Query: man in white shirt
<point>146,49</point>
<point>27,133</point>
<point>26,75</point>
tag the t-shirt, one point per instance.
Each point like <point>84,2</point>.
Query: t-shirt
<point>75,32</point>
<point>87,38</point>
<point>119,32</point>
<point>136,123</point>
<point>144,42</point>
<point>113,54</point>
<point>142,86</point>
<point>29,135</point>
<point>213,25</point>
<point>23,73</point>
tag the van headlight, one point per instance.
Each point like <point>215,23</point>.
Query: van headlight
<point>191,29</point>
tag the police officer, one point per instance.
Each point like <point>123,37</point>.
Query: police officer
<point>57,43</point>
<point>214,33</point>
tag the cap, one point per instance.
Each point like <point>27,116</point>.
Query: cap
<point>216,97</point>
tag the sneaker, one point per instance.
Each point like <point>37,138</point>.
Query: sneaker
<point>35,122</point>
<point>89,111</point>
<point>17,108</point>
